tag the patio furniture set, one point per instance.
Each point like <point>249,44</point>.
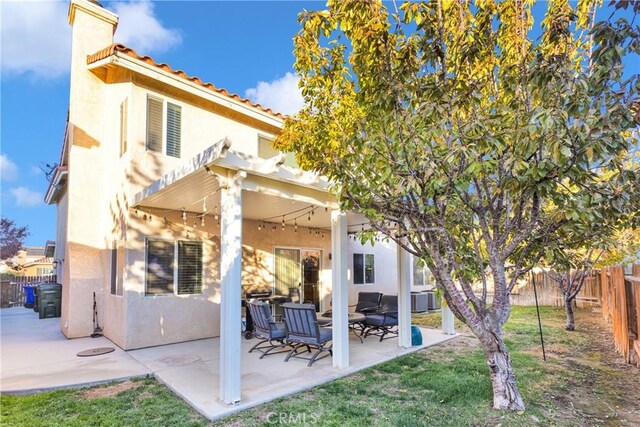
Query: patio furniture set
<point>303,329</point>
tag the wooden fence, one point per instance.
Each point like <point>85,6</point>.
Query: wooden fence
<point>621,307</point>
<point>549,292</point>
<point>12,292</point>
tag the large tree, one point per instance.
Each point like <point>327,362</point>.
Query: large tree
<point>450,129</point>
<point>11,238</point>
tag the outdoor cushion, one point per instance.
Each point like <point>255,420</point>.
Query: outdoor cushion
<point>325,334</point>
<point>380,320</point>
<point>278,330</point>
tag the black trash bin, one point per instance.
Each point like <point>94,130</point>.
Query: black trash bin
<point>49,300</point>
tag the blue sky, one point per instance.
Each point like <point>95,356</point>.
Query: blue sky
<point>245,47</point>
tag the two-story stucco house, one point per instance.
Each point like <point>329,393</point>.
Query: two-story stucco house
<point>172,205</point>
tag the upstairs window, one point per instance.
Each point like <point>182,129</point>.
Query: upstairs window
<point>168,136</point>
<point>363,269</point>
<point>266,151</point>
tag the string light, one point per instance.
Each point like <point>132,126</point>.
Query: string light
<point>202,221</point>
<point>215,213</point>
<point>295,226</point>
<point>204,206</point>
<point>259,226</point>
<point>184,217</point>
<point>283,222</point>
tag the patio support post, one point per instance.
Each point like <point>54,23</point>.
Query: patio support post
<point>230,285</point>
<point>404,297</point>
<point>339,291</point>
<point>448,325</point>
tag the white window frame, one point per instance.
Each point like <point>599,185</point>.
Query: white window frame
<point>163,130</point>
<point>176,266</point>
<point>364,269</point>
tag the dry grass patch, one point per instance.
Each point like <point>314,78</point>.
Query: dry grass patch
<point>109,390</point>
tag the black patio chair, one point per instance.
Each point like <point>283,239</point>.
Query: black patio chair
<point>303,332</point>
<point>383,321</point>
<point>368,303</point>
<point>272,333</point>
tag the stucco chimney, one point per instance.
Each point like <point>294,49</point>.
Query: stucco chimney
<point>93,28</point>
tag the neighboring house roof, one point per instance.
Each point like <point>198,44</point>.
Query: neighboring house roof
<point>116,47</point>
<point>34,251</point>
<point>44,260</point>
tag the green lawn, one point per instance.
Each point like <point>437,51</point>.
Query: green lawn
<point>582,383</point>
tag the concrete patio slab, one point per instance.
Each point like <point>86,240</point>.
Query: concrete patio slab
<point>191,370</point>
<point>36,356</point>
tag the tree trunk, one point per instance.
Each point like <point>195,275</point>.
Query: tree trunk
<point>568,308</point>
<point>505,390</point>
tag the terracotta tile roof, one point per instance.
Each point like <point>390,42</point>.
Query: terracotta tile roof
<point>116,47</point>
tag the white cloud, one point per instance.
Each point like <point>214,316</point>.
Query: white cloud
<point>26,197</point>
<point>281,95</point>
<point>36,37</point>
<point>140,29</point>
<point>36,170</point>
<point>8,169</point>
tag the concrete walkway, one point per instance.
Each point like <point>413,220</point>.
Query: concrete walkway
<point>35,356</point>
<point>192,369</point>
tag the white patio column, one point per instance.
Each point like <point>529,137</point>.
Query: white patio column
<point>404,297</point>
<point>448,319</point>
<point>230,286</point>
<point>339,290</point>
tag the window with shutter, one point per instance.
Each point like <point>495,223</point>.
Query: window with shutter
<point>369,271</point>
<point>189,267</point>
<point>154,124</point>
<point>174,116</point>
<point>123,127</point>
<point>160,261</point>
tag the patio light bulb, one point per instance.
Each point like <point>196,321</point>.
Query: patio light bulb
<point>309,231</point>
<point>215,214</point>
<point>283,222</point>
<point>273,228</point>
<point>313,211</point>
<point>194,224</point>
<point>295,226</point>
<point>204,205</point>
<point>202,221</point>
<point>259,226</point>
<point>309,217</point>
<point>144,217</point>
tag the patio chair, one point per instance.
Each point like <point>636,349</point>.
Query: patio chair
<point>384,320</point>
<point>272,333</point>
<point>368,303</point>
<point>303,332</point>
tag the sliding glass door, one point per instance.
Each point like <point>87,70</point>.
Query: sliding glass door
<point>297,274</point>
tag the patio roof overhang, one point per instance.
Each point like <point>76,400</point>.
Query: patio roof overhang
<point>271,188</point>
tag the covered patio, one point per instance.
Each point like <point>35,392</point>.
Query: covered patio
<point>192,370</point>
<point>265,191</point>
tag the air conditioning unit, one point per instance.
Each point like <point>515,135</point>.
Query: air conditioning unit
<point>419,302</point>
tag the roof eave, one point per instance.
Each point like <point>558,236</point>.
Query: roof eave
<point>118,59</point>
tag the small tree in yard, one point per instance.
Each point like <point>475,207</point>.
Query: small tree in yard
<point>11,238</point>
<point>451,131</point>
<point>572,263</point>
